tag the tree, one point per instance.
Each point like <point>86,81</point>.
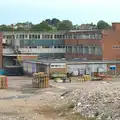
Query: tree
<point>43,26</point>
<point>64,25</point>
<point>48,21</point>
<point>53,22</point>
<point>5,28</point>
<point>76,27</point>
<point>103,25</point>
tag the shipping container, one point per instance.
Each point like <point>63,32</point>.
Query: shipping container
<point>13,70</point>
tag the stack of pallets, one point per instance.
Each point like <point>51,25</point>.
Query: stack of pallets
<point>40,80</point>
<point>85,78</point>
<point>3,82</point>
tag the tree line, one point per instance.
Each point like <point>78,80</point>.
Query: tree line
<point>51,25</point>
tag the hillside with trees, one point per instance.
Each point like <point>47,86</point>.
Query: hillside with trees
<point>53,25</point>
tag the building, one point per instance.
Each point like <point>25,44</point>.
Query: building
<point>111,43</point>
<point>87,26</point>
<point>84,44</point>
<point>64,66</point>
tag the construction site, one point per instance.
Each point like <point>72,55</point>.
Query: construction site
<point>75,79</point>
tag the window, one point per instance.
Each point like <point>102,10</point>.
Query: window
<point>51,36</point>
<point>58,36</point>
<point>33,36</point>
<point>25,36</point>
<point>43,36</point>
<point>30,36</point>
<point>57,65</point>
<point>20,37</point>
<point>17,36</point>
<point>38,36</point>
<point>55,36</point>
<point>86,50</point>
<point>116,47</point>
<point>59,46</point>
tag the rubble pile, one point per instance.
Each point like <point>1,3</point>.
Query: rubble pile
<point>102,104</point>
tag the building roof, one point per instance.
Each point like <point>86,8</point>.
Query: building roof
<point>8,55</point>
<point>34,32</point>
<point>70,62</point>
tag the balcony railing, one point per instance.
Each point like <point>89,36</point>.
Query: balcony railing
<point>7,51</point>
<point>36,50</point>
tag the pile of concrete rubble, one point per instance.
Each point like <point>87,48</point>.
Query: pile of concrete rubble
<point>102,104</point>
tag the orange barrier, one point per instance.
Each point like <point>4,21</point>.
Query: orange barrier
<point>108,77</point>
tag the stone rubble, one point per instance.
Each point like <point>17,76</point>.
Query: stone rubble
<point>101,103</point>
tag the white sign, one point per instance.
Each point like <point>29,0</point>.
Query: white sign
<point>111,66</point>
<point>58,65</point>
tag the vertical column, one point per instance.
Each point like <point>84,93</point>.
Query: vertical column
<point>27,36</point>
<point>72,36</point>
<point>96,50</point>
<point>14,36</point>
<point>89,50</point>
<point>40,36</point>
<point>53,36</point>
<point>78,49</point>
<point>72,49</point>
<point>83,49</point>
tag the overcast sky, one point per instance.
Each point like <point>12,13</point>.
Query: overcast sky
<point>78,11</point>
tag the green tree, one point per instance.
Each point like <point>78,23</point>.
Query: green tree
<point>43,26</point>
<point>5,28</point>
<point>53,22</point>
<point>103,25</point>
<point>64,25</point>
<point>76,27</point>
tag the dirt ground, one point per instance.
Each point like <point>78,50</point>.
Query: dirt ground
<point>22,102</point>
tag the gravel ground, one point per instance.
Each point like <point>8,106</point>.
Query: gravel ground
<point>20,100</point>
<point>91,99</point>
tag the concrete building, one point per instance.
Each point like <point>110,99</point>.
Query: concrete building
<point>111,43</point>
<point>42,44</point>
<point>84,44</point>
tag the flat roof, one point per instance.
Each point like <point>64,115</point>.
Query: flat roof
<point>70,62</point>
<point>18,55</point>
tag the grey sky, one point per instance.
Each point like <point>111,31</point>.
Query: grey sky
<point>78,11</point>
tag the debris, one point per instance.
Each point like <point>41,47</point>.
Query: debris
<point>99,103</point>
